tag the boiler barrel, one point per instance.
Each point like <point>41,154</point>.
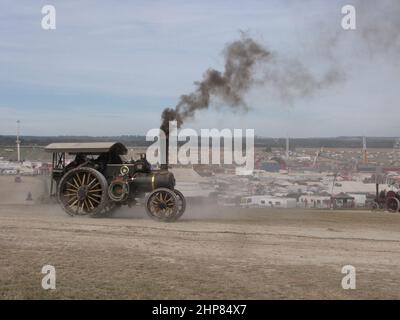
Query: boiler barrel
<point>155,180</point>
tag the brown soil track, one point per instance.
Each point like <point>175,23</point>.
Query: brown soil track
<point>212,253</point>
<point>260,256</point>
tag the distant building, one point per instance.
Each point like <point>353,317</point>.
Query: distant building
<point>267,201</point>
<point>314,201</point>
<point>360,200</point>
<point>343,201</point>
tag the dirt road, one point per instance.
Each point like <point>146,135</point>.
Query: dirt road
<point>244,254</point>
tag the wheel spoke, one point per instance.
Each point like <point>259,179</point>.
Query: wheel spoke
<point>79,179</point>
<point>169,200</point>
<point>72,199</point>
<point>70,195</point>
<point>86,204</point>
<point>95,195</point>
<point>93,199</point>
<point>76,183</point>
<point>90,202</point>
<point>71,185</point>
<point>94,180</point>
<point>95,185</point>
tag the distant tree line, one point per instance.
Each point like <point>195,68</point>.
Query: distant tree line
<point>268,143</point>
<point>334,142</point>
<point>45,140</point>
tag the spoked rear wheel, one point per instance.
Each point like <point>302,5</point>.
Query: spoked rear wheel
<point>83,191</point>
<point>162,205</point>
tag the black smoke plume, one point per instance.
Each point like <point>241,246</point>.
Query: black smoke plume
<point>229,86</point>
<point>247,65</point>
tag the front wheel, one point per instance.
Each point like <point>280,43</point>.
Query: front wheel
<point>181,203</point>
<point>162,205</point>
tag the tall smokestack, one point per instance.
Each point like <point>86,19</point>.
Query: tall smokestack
<point>167,116</point>
<point>164,166</point>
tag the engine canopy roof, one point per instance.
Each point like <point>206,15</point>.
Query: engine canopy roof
<point>87,147</point>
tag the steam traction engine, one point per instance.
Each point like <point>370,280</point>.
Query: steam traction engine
<point>387,200</point>
<point>98,181</point>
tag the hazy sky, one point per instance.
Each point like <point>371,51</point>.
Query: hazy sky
<point>110,68</point>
